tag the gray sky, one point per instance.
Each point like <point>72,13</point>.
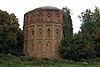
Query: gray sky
<point>20,7</point>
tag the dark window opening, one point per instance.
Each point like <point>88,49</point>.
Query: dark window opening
<point>32,32</point>
<point>47,44</point>
<point>48,33</point>
<point>57,31</point>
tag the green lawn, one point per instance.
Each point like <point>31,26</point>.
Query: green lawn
<point>13,61</point>
<point>62,65</point>
<point>71,65</point>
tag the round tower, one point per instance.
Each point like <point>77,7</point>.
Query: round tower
<point>42,32</point>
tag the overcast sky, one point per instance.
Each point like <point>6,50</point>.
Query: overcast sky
<point>20,7</point>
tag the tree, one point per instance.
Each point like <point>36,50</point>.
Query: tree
<point>91,20</point>
<point>87,19</point>
<point>91,25</point>
<point>96,39</point>
<point>67,33</point>
<point>83,47</point>
<point>9,34</point>
<point>67,23</point>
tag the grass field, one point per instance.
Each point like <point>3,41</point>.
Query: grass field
<point>12,61</point>
<point>61,65</point>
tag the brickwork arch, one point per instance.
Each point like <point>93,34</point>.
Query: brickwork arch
<point>57,33</point>
<point>57,46</point>
<point>48,46</point>
<point>40,32</point>
<point>40,46</point>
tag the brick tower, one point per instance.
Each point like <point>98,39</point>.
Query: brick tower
<point>42,32</point>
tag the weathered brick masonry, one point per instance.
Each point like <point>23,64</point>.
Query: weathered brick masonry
<point>42,32</point>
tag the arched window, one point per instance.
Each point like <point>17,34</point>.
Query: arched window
<point>48,46</point>
<point>48,33</point>
<point>57,33</point>
<point>26,20</point>
<point>31,20</point>
<point>40,33</point>
<point>39,46</point>
<point>26,34</point>
<point>32,32</point>
<point>41,16</point>
<point>57,45</point>
<point>56,17</point>
<point>49,17</point>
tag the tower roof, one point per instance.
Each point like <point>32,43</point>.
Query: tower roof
<point>47,8</point>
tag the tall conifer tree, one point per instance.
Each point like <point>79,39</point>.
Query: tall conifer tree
<point>67,33</point>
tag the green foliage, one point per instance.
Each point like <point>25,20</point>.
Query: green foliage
<point>67,23</point>
<point>8,19</point>
<point>96,39</point>
<point>87,19</point>
<point>83,46</point>
<point>91,20</point>
<point>9,34</point>
<point>91,25</point>
<point>86,43</point>
<point>67,33</point>
<point>23,61</point>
